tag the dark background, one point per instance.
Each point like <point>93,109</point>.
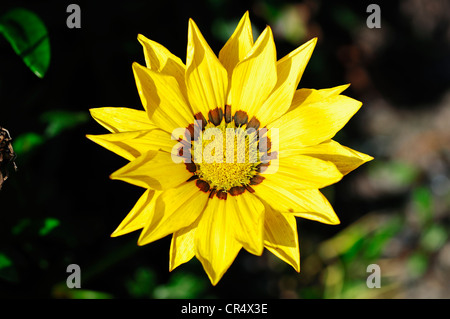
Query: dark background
<point>60,207</point>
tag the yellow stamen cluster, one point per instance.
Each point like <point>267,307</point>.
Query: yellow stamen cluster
<point>231,161</point>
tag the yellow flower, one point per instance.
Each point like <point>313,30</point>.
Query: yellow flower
<point>216,200</point>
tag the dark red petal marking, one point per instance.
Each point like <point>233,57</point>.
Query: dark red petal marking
<point>221,195</point>
<point>191,130</point>
<point>265,141</point>
<point>228,117</point>
<point>269,156</point>
<point>240,118</point>
<point>202,185</point>
<point>215,116</point>
<point>191,167</point>
<point>249,188</point>
<point>182,154</point>
<point>257,179</point>
<point>199,117</point>
<point>213,192</point>
<point>192,178</point>
<point>236,190</point>
<point>254,123</point>
<point>262,167</point>
<point>185,143</point>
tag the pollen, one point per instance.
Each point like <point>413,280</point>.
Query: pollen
<point>226,155</point>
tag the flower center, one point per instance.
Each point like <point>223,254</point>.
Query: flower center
<point>226,156</point>
<point>224,153</point>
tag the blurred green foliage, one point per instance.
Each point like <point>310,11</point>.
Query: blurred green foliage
<point>28,36</point>
<point>182,285</point>
<point>56,121</point>
<point>26,142</point>
<point>7,270</point>
<point>59,120</point>
<point>398,174</point>
<point>5,262</point>
<point>49,224</point>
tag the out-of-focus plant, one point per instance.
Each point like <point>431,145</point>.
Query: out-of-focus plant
<point>350,252</point>
<point>56,122</point>
<point>28,36</point>
<point>181,285</point>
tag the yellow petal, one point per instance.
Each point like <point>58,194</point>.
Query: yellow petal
<point>316,207</point>
<point>206,78</point>
<point>254,77</point>
<point>345,159</point>
<point>175,208</point>
<point>161,60</point>
<point>161,96</point>
<point>131,145</point>
<point>114,143</point>
<point>289,72</point>
<point>182,247</point>
<point>237,46</point>
<point>281,238</point>
<point>122,119</point>
<point>246,212</point>
<point>154,169</point>
<point>139,215</point>
<point>309,96</point>
<point>302,172</point>
<point>310,203</point>
<point>215,244</point>
<point>314,123</point>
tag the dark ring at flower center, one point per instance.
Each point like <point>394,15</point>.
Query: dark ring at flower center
<point>233,170</point>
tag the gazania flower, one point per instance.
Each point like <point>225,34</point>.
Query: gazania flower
<point>216,200</point>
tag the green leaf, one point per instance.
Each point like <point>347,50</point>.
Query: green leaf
<point>142,284</point>
<point>5,262</point>
<point>417,264</point>
<point>353,250</point>
<point>346,18</point>
<point>20,226</point>
<point>7,271</point>
<point>28,36</point>
<point>378,241</point>
<point>89,294</point>
<point>62,291</point>
<point>434,237</point>
<point>181,286</point>
<point>56,121</point>
<point>60,120</point>
<point>26,142</point>
<point>423,203</point>
<point>393,176</point>
<point>49,224</point>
